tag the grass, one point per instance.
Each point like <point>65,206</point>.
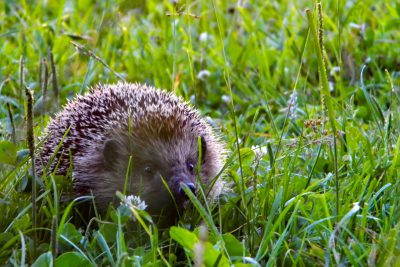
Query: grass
<point>313,183</point>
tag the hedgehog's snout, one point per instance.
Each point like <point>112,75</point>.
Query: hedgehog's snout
<point>179,179</point>
<point>182,192</point>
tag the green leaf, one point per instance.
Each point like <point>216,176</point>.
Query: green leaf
<point>234,246</point>
<point>109,232</point>
<point>213,257</point>
<point>184,237</point>
<point>73,259</point>
<point>8,152</point>
<point>43,260</point>
<point>71,233</point>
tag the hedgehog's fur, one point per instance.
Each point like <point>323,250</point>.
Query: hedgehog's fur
<point>113,122</point>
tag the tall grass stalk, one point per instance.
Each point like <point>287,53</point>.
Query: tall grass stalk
<point>31,145</point>
<point>325,92</point>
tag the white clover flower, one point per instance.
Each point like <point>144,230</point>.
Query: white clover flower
<point>203,37</point>
<point>133,202</point>
<point>226,98</point>
<point>203,74</point>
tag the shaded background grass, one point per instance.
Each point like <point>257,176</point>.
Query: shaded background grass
<point>259,57</point>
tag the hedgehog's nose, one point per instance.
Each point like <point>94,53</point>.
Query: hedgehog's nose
<point>190,186</point>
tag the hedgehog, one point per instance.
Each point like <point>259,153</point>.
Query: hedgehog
<point>133,137</point>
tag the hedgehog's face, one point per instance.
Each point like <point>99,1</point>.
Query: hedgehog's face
<point>160,169</point>
<point>167,167</point>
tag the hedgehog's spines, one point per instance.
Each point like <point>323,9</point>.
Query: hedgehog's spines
<point>146,123</point>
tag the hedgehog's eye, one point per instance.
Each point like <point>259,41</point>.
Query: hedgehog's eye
<point>148,170</point>
<point>190,167</point>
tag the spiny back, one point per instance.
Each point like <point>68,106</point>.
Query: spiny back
<point>87,121</point>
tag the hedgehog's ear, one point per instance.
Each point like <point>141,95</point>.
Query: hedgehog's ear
<point>203,148</point>
<point>111,152</point>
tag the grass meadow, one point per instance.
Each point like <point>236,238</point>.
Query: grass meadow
<point>305,95</point>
